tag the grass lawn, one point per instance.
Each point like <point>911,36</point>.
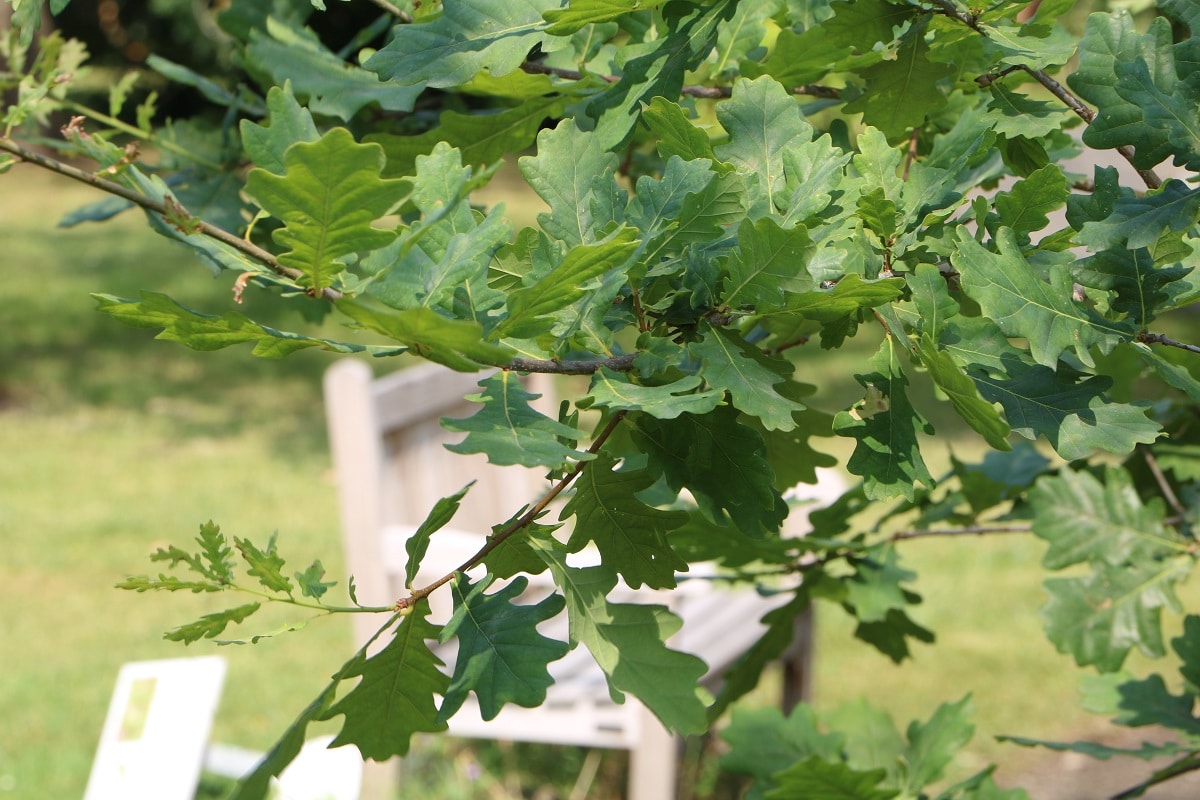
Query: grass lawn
<point>114,444</point>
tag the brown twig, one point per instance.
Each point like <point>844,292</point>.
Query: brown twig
<point>969,530</point>
<point>622,363</point>
<point>1163,484</point>
<point>394,10</point>
<point>174,210</point>
<point>520,523</point>
<point>1158,338</point>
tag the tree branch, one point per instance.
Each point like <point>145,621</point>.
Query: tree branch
<point>709,92</point>
<point>522,522</point>
<point>970,530</point>
<point>622,363</point>
<point>1158,338</point>
<point>1163,485</point>
<point>207,229</point>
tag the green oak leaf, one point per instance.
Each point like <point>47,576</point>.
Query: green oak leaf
<point>891,635</point>
<point>1032,51</point>
<point>310,582</point>
<point>885,425</point>
<point>1140,287</point>
<point>455,343</point>
<point>628,642</point>
<point>763,742</point>
<point>677,134</point>
<point>932,745</point>
<point>571,171</point>
<point>817,779</point>
<point>931,300</point>
<point>211,625</point>
<point>763,121</point>
<point>1014,114</point>
<point>287,123</point>
<point>1187,647</point>
<point>1085,519</point>
<point>732,364</point>
<point>482,138</point>
<point>813,173</point>
<point>875,587</point>
<point>510,431</point>
<point>1076,418</point>
<point>417,545</point>
<point>395,697</point>
<point>1177,376</point>
<point>543,295</point>
<point>659,72</point>
<point>900,94</point>
<point>331,85</point>
<point>1024,208</point>
<point>1141,221</point>
<point>721,461</point>
<point>501,655</point>
<point>466,38</point>
<point>769,264</point>
<point>327,199</point>
<point>963,394</point>
<point>264,564</point>
<point>579,13</point>
<point>1098,618</point>
<point>1012,294</point>
<point>630,535</point>
<point>613,390</point>
<point>657,203</point>
<point>215,553</point>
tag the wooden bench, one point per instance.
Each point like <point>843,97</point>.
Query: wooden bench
<point>391,464</point>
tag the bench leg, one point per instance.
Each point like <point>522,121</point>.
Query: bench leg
<point>653,765</point>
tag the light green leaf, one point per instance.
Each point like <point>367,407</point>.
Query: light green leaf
<point>1177,376</point>
<point>1084,519</point>
<point>613,390</point>
<point>266,565</point>
<point>287,123</point>
<point>468,37</point>
<point>1013,114</point>
<point>732,364</point>
<point>327,199</point>
<point>331,85</point>
<point>510,432</point>
<point>933,745</point>
<point>763,121</point>
<point>457,344</point>
<point>1034,52</point>
<point>212,625</point>
<point>931,300</point>
<point>571,168</point>
<point>1025,206</point>
<point>769,264</point>
<point>439,516</point>
<point>1076,418</point>
<point>530,305</point>
<point>628,643</point>
<point>501,655</point>
<point>1097,619</point>
<point>310,582</point>
<point>763,742</point>
<point>215,553</point>
<point>579,13</point>
<point>887,454</point>
<point>818,779</point>
<point>630,535</point>
<point>395,697</point>
<point>981,415</point>
<point>813,172</point>
<point>1015,297</point>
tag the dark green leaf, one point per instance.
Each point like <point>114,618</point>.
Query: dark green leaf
<point>630,535</point>
<point>763,742</point>
<point>900,94</point>
<point>890,635</point>
<point>501,656</point>
<point>510,431</point>
<point>417,544</point>
<point>732,364</point>
<point>677,135</point>
<point>1141,221</point>
<point>395,698</point>
<point>885,425</point>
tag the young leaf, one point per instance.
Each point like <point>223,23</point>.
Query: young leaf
<point>455,343</point>
<point>215,553</point>
<point>578,13</point>
<point>509,431</point>
<point>418,544</point>
<point>933,745</point>
<point>763,742</point>
<point>630,535</point>
<point>211,626</point>
<point>501,656</point>
<point>327,199</point>
<point>887,454</point>
<point>571,169</point>
<point>677,134</point>
<point>288,123</point>
<point>310,582</point>
<point>395,698</point>
<point>266,565</point>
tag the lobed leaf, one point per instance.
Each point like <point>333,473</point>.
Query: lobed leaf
<point>266,565</point>
<point>212,625</point>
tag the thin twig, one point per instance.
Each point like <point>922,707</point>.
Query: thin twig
<point>622,363</point>
<point>1161,479</point>
<point>207,229</point>
<point>394,10</point>
<point>520,523</point>
<point>970,530</point>
<point>1158,338</point>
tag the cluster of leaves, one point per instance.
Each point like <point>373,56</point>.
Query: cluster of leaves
<point>712,212</point>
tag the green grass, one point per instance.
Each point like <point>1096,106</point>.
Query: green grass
<point>113,444</point>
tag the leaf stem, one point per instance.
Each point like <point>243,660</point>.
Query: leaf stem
<point>206,228</point>
<point>125,127</point>
<point>523,521</point>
